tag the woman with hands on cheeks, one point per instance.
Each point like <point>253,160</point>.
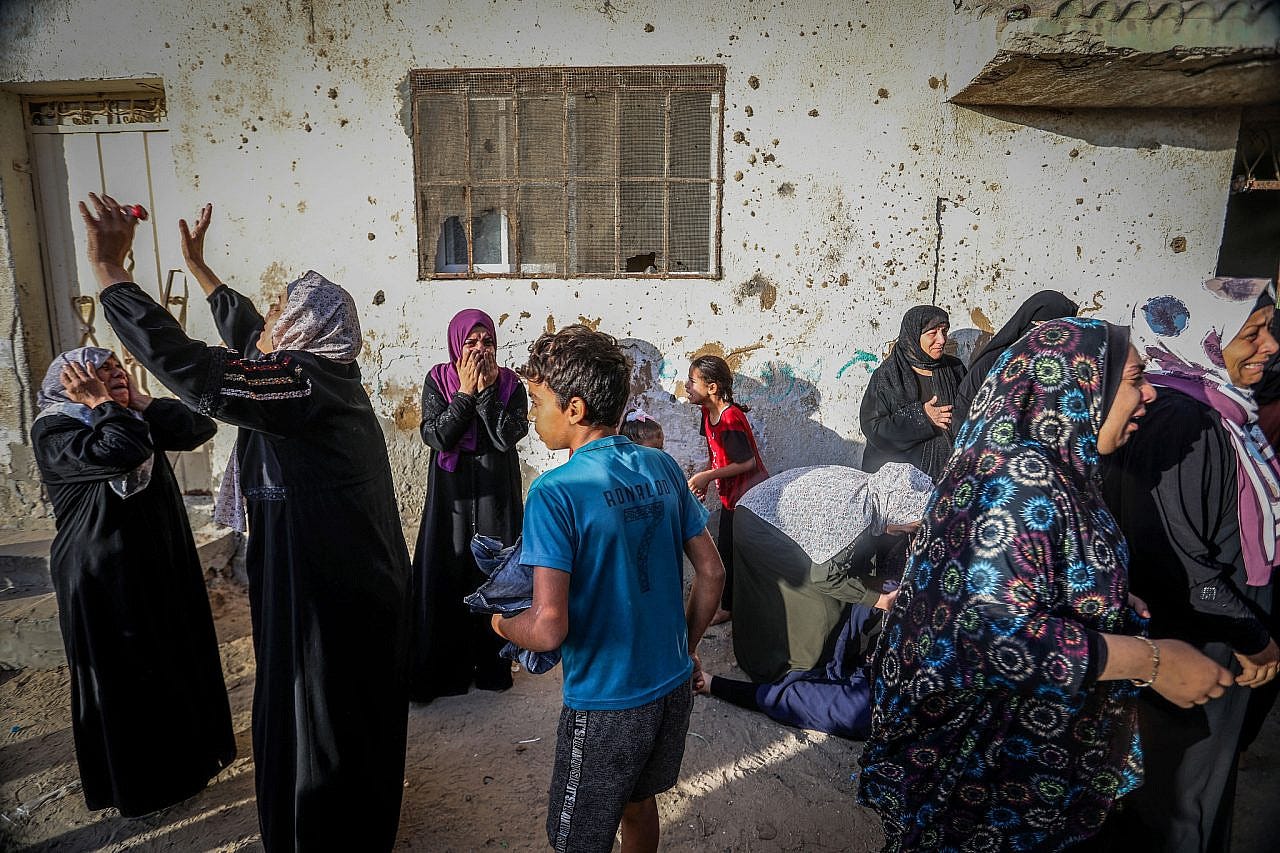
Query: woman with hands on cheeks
<point>473,414</point>
<point>149,707</point>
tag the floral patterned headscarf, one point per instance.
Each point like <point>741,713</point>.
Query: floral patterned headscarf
<point>981,688</point>
<point>1184,336</point>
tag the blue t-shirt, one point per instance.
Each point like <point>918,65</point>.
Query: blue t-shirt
<point>616,517</point>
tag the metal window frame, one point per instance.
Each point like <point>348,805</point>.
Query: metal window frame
<point>567,81</point>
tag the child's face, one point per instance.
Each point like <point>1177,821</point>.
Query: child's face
<point>697,389</point>
<point>549,420</point>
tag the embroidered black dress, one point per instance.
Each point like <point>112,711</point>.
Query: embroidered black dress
<point>328,572</point>
<point>454,648</point>
<point>149,707</point>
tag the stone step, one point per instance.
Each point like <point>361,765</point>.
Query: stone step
<point>29,632</point>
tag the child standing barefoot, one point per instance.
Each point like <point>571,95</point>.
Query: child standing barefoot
<point>733,458</point>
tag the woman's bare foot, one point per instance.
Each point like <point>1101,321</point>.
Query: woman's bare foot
<point>721,616</point>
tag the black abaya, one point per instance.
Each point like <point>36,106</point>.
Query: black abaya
<point>453,647</point>
<point>328,573</point>
<point>149,707</point>
<point>1172,488</point>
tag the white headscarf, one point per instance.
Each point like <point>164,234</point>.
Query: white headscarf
<point>1184,335</point>
<point>319,317</point>
<point>52,399</point>
<point>823,508</point>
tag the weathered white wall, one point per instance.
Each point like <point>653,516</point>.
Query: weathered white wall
<point>291,117</point>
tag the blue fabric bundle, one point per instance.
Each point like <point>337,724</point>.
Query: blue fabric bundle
<point>509,590</point>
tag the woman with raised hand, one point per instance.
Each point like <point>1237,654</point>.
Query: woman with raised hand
<point>149,708</point>
<point>326,558</point>
<point>1004,696</point>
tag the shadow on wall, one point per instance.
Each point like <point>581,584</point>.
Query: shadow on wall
<point>782,402</point>
<point>1204,130</point>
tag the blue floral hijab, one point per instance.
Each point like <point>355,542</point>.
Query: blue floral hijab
<point>989,730</point>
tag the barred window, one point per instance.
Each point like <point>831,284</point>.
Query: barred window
<point>611,172</point>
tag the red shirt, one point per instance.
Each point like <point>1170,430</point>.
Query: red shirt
<point>731,440</point>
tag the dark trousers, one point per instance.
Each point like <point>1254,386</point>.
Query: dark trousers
<point>724,544</point>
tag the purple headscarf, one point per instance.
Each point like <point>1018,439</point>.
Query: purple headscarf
<point>447,380</point>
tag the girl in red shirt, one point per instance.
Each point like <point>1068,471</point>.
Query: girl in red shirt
<point>733,460</point>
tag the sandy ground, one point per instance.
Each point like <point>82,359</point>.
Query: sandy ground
<point>477,767</point>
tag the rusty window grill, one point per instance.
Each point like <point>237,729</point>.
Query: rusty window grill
<point>99,110</point>
<point>605,172</point>
<point>1257,165</point>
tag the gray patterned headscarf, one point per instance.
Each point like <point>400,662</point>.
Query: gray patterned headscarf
<point>319,317</point>
<point>52,399</point>
<point>823,508</point>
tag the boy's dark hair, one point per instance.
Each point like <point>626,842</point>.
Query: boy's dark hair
<point>579,362</point>
<point>641,432</point>
<point>715,369</point>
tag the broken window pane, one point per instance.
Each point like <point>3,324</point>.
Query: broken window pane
<point>605,172</point>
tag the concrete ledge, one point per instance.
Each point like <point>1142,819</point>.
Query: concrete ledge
<point>29,631</point>
<point>1132,55</point>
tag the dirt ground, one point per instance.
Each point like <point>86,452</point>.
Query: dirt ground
<point>476,772</point>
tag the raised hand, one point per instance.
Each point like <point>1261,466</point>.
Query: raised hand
<point>83,385</point>
<point>193,249</point>
<point>110,233</point>
<point>940,416</point>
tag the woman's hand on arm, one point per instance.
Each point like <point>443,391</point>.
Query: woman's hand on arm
<point>1176,670</point>
<point>193,250</point>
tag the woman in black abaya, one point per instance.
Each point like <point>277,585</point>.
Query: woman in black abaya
<point>326,558</point>
<point>473,413</point>
<point>906,411</point>
<point>149,708</point>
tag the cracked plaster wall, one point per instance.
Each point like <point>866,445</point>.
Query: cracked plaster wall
<point>291,117</point>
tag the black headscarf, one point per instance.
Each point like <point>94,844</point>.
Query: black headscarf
<point>1040,307</point>
<point>897,385</point>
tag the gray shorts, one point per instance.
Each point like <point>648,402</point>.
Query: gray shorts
<point>605,759</point>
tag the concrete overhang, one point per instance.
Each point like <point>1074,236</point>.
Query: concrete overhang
<point>1148,53</point>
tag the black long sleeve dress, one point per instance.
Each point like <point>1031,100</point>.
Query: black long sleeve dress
<point>328,572</point>
<point>1172,488</point>
<point>454,648</point>
<point>149,707</point>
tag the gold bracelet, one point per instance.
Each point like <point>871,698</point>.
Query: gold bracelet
<point>1155,665</point>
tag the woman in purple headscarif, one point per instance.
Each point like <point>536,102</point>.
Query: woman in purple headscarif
<point>473,413</point>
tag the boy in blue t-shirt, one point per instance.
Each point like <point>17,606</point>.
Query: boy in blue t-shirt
<point>606,532</point>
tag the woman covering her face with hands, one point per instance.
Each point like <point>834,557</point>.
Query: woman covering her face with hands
<point>148,703</point>
<point>473,414</point>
